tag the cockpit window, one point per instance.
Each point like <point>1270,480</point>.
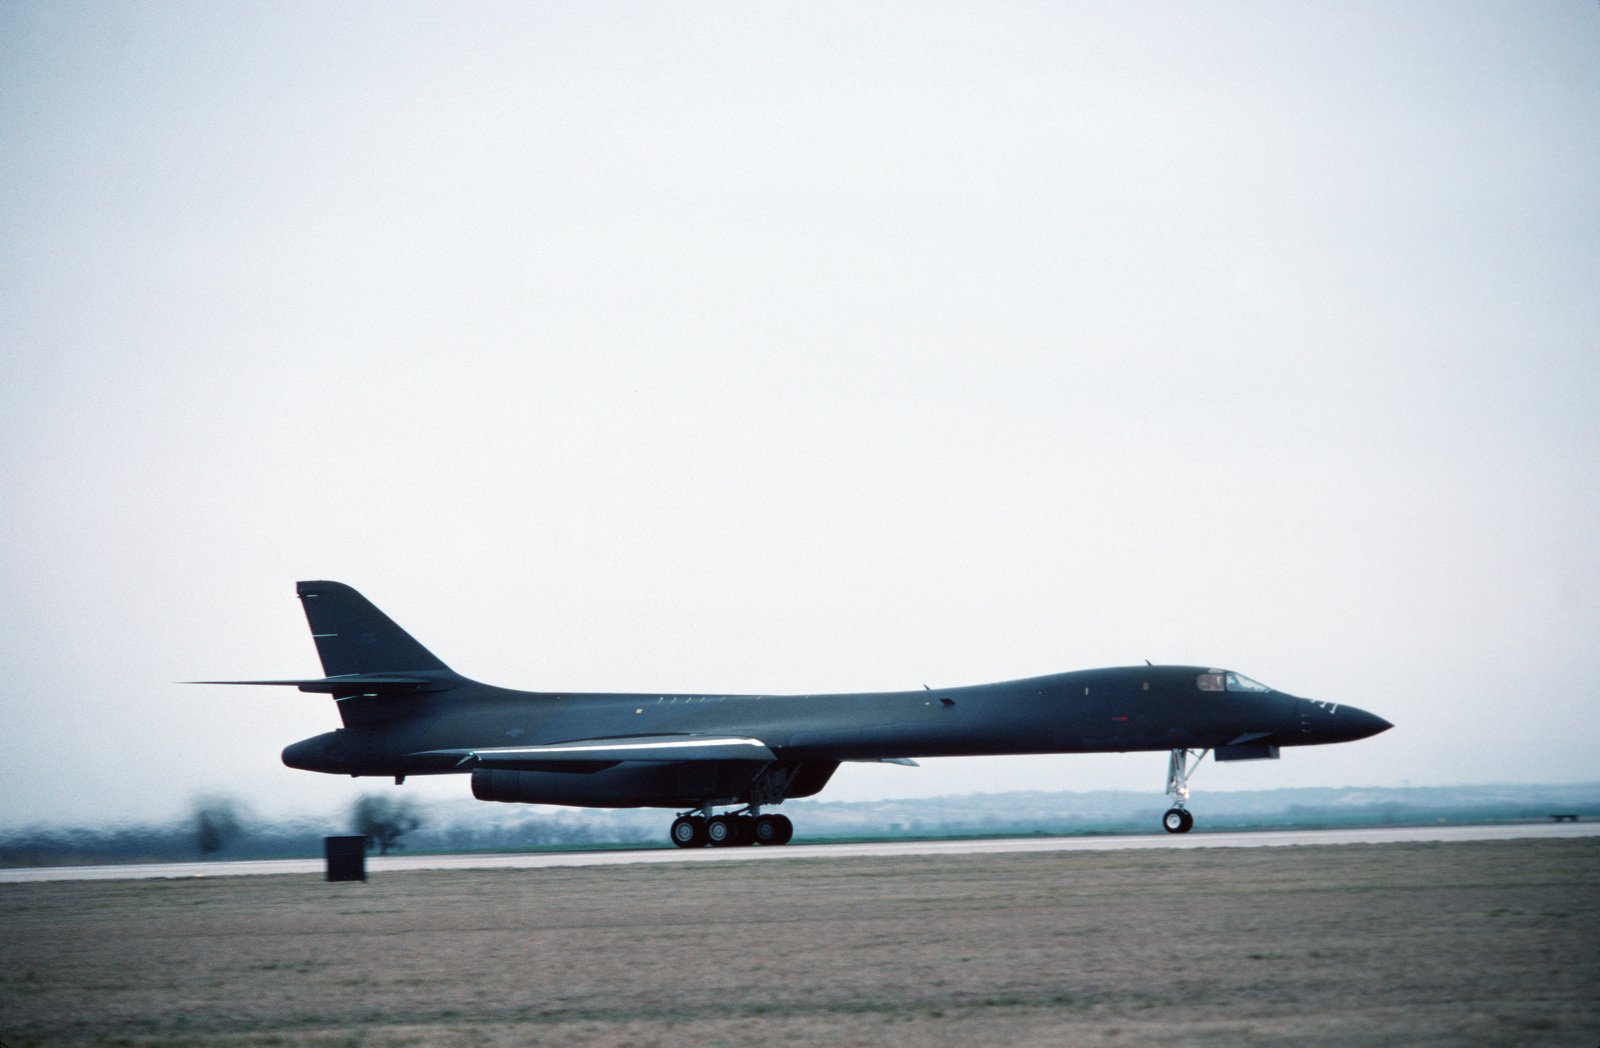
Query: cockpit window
<point>1220,680</point>
<point>1239,682</point>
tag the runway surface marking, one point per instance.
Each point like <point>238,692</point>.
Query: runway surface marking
<point>878,849</point>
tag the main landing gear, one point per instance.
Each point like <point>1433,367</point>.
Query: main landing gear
<point>731,829</point>
<point>1177,819</point>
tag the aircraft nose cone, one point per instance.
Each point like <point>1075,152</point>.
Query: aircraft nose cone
<point>1319,722</point>
<point>1359,724</point>
<point>1347,724</point>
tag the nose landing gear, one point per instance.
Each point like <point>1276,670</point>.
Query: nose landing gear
<point>1177,818</point>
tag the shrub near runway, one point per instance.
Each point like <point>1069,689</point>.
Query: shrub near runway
<point>1454,944</point>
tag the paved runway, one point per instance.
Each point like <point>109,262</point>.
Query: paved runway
<point>537,860</point>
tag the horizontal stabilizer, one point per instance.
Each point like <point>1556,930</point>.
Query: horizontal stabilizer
<point>651,748</point>
<point>347,682</point>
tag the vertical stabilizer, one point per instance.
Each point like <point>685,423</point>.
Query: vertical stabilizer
<point>353,636</point>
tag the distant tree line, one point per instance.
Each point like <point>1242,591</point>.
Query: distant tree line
<point>384,819</point>
<point>216,822</point>
<point>222,828</point>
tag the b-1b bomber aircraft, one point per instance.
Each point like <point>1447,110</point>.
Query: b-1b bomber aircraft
<point>407,713</point>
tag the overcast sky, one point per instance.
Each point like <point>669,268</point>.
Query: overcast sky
<point>798,348</point>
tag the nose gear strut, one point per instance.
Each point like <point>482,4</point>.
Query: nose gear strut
<point>1179,767</point>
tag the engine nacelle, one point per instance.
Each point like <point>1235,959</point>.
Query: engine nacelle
<point>636,784</point>
<point>686,784</point>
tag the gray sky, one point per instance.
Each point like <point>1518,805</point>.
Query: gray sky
<point>798,348</point>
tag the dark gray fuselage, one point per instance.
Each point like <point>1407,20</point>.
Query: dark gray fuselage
<point>1088,711</point>
<point>407,713</point>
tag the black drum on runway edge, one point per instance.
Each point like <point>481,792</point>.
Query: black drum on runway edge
<point>346,858</point>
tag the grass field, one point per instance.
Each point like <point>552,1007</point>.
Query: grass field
<point>1416,944</point>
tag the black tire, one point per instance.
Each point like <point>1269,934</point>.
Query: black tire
<point>1176,820</point>
<point>768,830</point>
<point>722,831</point>
<point>689,831</point>
<point>785,829</point>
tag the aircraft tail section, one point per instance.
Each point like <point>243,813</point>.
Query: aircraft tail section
<point>353,636</point>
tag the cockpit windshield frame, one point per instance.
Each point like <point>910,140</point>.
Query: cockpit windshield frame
<point>1239,682</point>
<point>1227,680</point>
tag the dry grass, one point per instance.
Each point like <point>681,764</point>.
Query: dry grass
<point>1446,944</point>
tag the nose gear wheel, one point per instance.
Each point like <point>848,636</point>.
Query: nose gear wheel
<point>1179,767</point>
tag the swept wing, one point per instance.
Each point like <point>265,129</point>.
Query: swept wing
<point>661,749</point>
